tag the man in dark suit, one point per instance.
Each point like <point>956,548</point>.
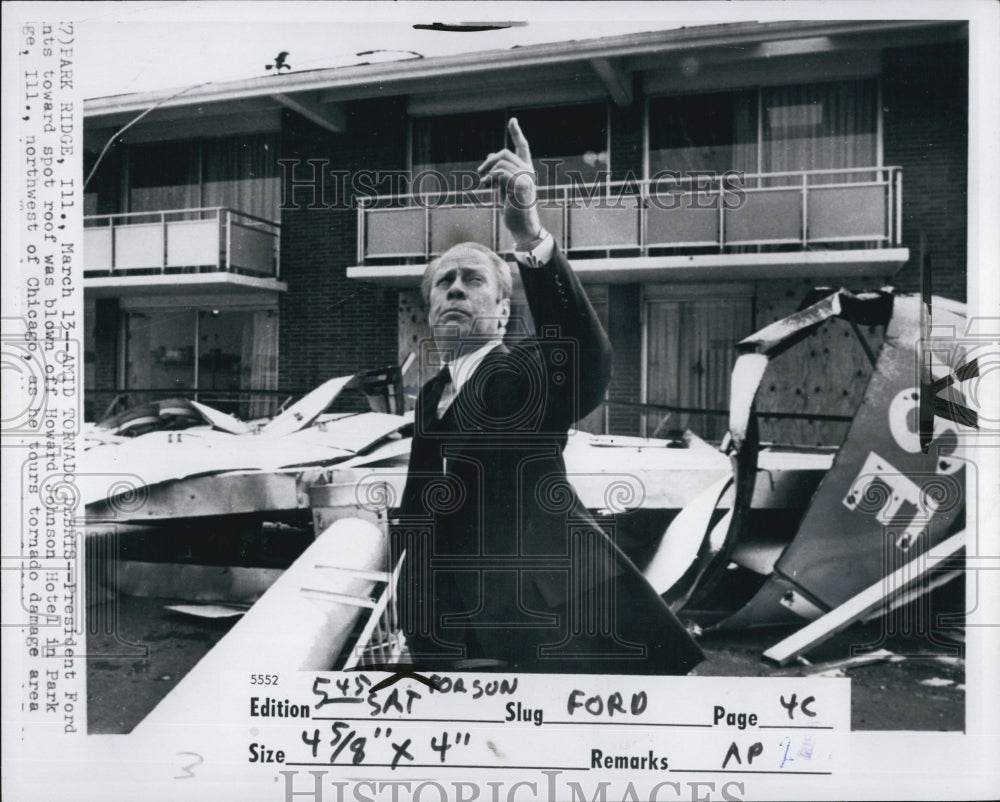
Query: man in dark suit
<point>505,568</point>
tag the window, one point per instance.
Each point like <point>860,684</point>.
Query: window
<point>218,356</point>
<point>574,139</point>
<point>819,127</point>
<point>239,172</point>
<point>164,177</point>
<point>455,143</point>
<point>825,126</point>
<point>715,132</point>
<point>102,193</point>
<point>242,173</point>
<point>571,138</point>
<point>160,351</point>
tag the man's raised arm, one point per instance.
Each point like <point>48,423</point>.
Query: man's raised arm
<point>515,175</point>
<point>554,293</point>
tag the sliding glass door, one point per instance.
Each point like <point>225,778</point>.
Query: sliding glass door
<point>226,358</point>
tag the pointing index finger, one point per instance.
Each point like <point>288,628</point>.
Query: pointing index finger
<point>517,139</point>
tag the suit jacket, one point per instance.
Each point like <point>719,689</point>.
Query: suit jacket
<point>504,563</point>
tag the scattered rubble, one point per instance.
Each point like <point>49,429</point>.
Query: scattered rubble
<point>175,459</point>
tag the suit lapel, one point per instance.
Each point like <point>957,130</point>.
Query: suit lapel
<point>463,402</point>
<point>459,427</point>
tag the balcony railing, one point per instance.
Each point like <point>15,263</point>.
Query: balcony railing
<point>857,207</point>
<point>179,240</point>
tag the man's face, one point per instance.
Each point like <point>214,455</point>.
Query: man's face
<point>465,297</point>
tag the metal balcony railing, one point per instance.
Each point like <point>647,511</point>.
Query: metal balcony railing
<point>855,207</point>
<point>178,240</point>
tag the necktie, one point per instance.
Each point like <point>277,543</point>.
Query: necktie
<point>434,392</point>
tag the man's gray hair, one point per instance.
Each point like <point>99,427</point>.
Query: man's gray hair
<point>500,268</point>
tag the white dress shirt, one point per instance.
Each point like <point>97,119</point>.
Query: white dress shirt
<point>461,369</point>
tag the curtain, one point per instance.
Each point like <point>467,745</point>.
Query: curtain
<point>164,177</point>
<point>259,361</point>
<point>238,172</point>
<point>242,173</point>
<point>819,127</point>
<point>744,156</point>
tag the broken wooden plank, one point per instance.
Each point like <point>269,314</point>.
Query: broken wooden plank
<point>819,669</point>
<point>913,593</point>
<point>857,607</point>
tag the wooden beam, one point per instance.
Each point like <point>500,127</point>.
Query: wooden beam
<point>423,105</point>
<point>915,593</point>
<point>331,117</point>
<point>698,74</point>
<point>871,598</point>
<point>615,79</point>
<point>260,121</point>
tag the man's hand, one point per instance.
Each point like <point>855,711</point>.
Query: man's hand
<point>515,176</point>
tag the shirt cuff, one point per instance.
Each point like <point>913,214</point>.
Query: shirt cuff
<point>540,254</point>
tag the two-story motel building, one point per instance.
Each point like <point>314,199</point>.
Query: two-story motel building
<point>246,241</point>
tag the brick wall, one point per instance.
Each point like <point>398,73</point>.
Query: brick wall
<point>625,334</point>
<point>332,325</point>
<point>624,313</point>
<point>104,323</point>
<point>626,138</point>
<point>926,113</point>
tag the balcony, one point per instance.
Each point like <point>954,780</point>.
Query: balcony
<point>818,222</point>
<point>180,251</point>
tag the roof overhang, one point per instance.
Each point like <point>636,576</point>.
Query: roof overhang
<point>229,284</point>
<point>881,262</point>
<point>605,66</point>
